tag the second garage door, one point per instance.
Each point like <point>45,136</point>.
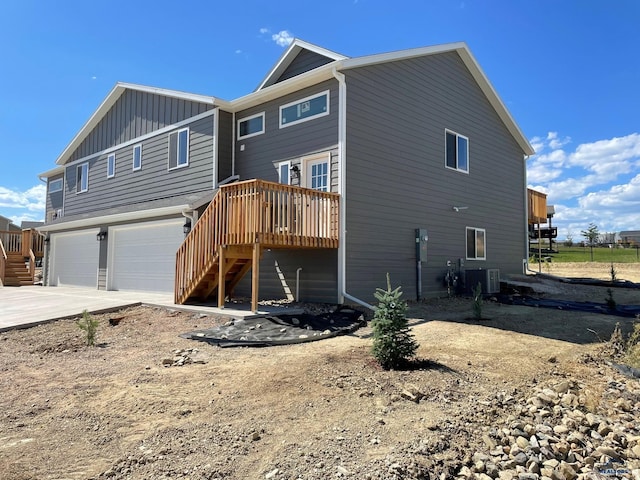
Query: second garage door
<point>143,256</point>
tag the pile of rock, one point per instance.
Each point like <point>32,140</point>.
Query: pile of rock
<point>555,436</point>
<point>184,357</point>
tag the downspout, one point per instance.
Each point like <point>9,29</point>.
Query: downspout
<point>233,144</point>
<point>342,189</point>
<point>215,153</point>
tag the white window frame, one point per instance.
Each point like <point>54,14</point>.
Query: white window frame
<point>246,119</point>
<point>457,136</point>
<point>178,145</point>
<point>280,165</point>
<point>111,165</point>
<point>475,246</point>
<point>326,93</point>
<point>306,162</point>
<point>133,159</point>
<point>54,189</point>
<point>82,177</point>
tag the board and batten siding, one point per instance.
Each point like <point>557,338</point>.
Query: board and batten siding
<point>153,181</point>
<point>305,61</point>
<point>396,178</point>
<point>134,114</point>
<point>224,141</point>
<point>261,152</point>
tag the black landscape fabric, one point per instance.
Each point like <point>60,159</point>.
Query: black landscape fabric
<point>272,330</point>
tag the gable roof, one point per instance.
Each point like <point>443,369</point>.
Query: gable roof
<point>290,55</point>
<point>111,99</point>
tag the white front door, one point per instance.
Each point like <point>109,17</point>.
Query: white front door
<point>317,172</point>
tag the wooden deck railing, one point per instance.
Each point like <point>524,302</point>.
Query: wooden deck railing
<point>256,212</point>
<point>3,262</point>
<point>537,206</point>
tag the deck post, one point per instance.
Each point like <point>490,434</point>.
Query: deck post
<point>221,276</point>
<point>255,276</point>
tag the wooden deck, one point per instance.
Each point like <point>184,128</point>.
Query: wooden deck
<point>243,219</point>
<point>537,206</point>
<point>18,253</point>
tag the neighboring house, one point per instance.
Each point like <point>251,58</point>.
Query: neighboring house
<point>27,224</point>
<point>629,238</point>
<point>416,146</point>
<point>7,225</point>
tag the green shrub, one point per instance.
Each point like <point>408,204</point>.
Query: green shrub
<point>477,302</point>
<point>90,326</point>
<point>393,344</point>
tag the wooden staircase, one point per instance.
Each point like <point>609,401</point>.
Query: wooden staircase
<point>241,221</point>
<point>16,272</point>
<point>18,252</point>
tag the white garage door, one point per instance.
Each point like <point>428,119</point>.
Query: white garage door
<point>142,256</point>
<point>74,258</point>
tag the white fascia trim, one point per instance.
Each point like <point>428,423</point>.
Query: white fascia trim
<point>51,173</point>
<point>118,217</point>
<point>137,140</point>
<point>290,54</point>
<point>193,97</point>
<point>474,67</point>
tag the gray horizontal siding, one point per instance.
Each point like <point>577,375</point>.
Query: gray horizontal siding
<point>154,181</point>
<point>305,61</point>
<point>135,114</point>
<point>397,181</point>
<point>318,277</point>
<point>290,143</point>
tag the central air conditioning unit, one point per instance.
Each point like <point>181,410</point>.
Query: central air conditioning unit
<point>489,279</point>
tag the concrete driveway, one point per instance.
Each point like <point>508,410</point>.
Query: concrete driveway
<point>22,307</point>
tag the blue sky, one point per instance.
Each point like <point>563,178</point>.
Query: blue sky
<point>567,70</point>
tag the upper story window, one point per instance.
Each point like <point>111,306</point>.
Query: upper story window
<point>82,178</point>
<point>457,151</point>
<point>304,109</point>
<point>476,244</point>
<point>284,172</point>
<point>55,185</point>
<point>111,165</point>
<point>137,157</point>
<point>179,149</point>
<point>251,126</point>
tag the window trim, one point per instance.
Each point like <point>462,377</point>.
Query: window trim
<point>475,236</point>
<point>80,179</point>
<point>178,164</point>
<point>457,136</point>
<point>246,119</point>
<point>324,157</point>
<point>326,93</point>
<point>52,182</point>
<point>111,165</point>
<point>133,158</point>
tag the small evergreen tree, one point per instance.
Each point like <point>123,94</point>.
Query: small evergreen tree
<point>90,326</point>
<point>591,234</point>
<point>393,344</point>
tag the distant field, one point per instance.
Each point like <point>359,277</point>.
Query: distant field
<point>600,254</point>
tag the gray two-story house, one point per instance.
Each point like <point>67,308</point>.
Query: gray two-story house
<point>333,172</point>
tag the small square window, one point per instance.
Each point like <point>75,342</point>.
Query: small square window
<point>457,152</point>
<point>82,178</point>
<point>251,126</point>
<point>55,185</point>
<point>179,149</point>
<point>476,244</point>
<point>111,165</point>
<point>137,157</point>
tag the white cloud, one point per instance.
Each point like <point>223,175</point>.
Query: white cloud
<point>238,51</point>
<point>282,38</point>
<point>32,199</point>
<point>264,31</point>
<point>555,142</point>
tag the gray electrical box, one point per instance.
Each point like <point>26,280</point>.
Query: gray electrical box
<point>421,244</point>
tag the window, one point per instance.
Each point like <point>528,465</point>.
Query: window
<point>457,155</point>
<point>251,126</point>
<point>284,172</point>
<point>82,178</point>
<point>476,243</point>
<point>111,165</point>
<point>317,172</point>
<point>305,109</point>
<point>137,157</point>
<point>55,185</point>
<point>179,149</point>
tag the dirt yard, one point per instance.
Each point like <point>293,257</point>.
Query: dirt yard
<point>126,410</point>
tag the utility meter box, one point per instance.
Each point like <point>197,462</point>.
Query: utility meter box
<point>421,244</point>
